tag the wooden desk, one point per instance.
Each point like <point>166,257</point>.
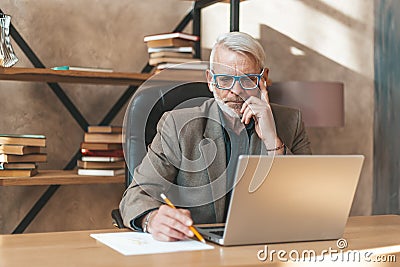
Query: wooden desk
<point>79,249</point>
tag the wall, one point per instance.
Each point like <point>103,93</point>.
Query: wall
<point>387,107</point>
<point>95,33</point>
<point>335,39</point>
<point>335,36</point>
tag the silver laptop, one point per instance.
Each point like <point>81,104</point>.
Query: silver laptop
<point>287,199</point>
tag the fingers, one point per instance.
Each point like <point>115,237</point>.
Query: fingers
<point>163,230</point>
<point>264,91</point>
<point>168,224</point>
<point>253,106</point>
<point>263,86</point>
<point>264,95</point>
<point>247,114</point>
<point>162,237</point>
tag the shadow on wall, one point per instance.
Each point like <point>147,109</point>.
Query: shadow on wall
<point>290,60</point>
<point>336,14</point>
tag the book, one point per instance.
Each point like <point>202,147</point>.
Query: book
<point>101,172</point>
<point>103,138</point>
<point>18,149</point>
<point>17,166</point>
<point>102,159</point>
<point>156,61</point>
<point>186,66</point>
<point>100,146</point>
<point>102,153</point>
<point>100,165</point>
<point>23,139</point>
<point>18,173</point>
<point>182,49</point>
<point>105,129</point>
<point>180,75</point>
<point>171,35</point>
<point>170,54</point>
<point>175,42</point>
<point>23,158</point>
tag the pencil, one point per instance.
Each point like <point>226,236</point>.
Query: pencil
<point>195,232</point>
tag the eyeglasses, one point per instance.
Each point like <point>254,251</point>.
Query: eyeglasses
<point>226,81</point>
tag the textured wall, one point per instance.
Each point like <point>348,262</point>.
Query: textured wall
<point>318,41</point>
<point>96,33</point>
<point>336,37</point>
<point>387,107</point>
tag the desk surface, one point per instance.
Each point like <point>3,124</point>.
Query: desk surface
<point>79,249</point>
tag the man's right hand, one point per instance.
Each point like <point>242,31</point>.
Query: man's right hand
<point>168,224</point>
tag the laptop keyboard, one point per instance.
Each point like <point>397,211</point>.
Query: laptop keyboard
<point>220,233</point>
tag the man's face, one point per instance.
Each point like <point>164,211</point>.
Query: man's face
<point>229,62</point>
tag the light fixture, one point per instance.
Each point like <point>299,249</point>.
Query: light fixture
<point>7,55</point>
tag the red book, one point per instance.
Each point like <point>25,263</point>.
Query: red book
<point>102,153</point>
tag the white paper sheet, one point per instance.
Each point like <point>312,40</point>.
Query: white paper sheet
<point>134,243</point>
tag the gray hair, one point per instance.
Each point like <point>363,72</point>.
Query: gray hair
<point>242,43</point>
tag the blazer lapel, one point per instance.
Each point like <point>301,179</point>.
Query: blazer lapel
<point>214,155</point>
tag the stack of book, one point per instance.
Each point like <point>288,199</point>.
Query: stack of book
<point>170,48</point>
<point>19,154</point>
<point>102,153</point>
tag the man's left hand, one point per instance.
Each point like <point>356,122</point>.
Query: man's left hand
<point>260,110</point>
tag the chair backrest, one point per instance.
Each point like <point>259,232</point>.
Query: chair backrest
<point>146,109</point>
<point>320,102</point>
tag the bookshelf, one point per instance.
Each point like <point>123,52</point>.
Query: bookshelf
<point>67,177</point>
<point>55,178</point>
<point>60,177</point>
<point>72,76</point>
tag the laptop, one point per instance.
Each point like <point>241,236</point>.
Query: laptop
<point>288,199</point>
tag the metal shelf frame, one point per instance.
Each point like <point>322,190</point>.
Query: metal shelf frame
<point>194,14</point>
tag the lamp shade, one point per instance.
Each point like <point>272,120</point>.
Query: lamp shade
<point>321,103</point>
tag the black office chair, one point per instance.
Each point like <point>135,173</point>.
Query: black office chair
<point>154,100</point>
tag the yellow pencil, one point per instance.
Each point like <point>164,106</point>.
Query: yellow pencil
<point>195,232</point>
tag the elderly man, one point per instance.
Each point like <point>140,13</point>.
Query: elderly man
<point>194,154</point>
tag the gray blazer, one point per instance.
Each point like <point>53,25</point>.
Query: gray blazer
<point>189,151</point>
